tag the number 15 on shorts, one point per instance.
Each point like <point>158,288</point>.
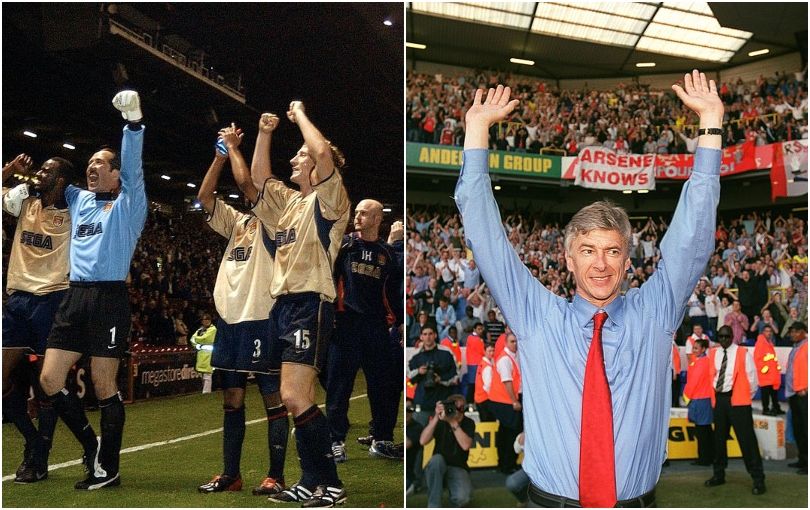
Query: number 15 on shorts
<point>301,339</point>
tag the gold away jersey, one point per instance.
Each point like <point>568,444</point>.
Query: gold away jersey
<point>242,291</point>
<point>308,234</point>
<point>40,254</point>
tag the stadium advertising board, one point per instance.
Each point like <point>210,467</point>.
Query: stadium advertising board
<point>443,157</point>
<point>789,171</point>
<point>600,168</point>
<point>165,375</point>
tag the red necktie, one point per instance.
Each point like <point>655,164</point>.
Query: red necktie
<point>597,468</point>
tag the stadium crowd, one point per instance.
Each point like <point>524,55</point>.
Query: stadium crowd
<point>630,118</point>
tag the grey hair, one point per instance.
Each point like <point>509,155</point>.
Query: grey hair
<point>602,215</point>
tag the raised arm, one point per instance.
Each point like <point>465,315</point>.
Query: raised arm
<point>22,165</point>
<point>260,167</point>
<point>132,184</point>
<point>523,300</point>
<point>232,137</point>
<point>689,241</point>
<point>316,143</point>
<point>206,193</point>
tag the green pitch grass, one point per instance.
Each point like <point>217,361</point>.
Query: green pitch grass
<point>168,475</point>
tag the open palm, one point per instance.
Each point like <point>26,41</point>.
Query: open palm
<point>494,108</point>
<point>700,95</point>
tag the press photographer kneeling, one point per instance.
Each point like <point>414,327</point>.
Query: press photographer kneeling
<point>453,433</point>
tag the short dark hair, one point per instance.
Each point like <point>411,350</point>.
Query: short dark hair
<point>479,323</point>
<point>115,162</point>
<point>702,342</point>
<point>427,326</point>
<point>66,169</point>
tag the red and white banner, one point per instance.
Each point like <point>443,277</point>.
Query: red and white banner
<point>735,160</point>
<point>789,170</point>
<point>604,169</point>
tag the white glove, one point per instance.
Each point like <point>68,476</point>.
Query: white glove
<point>129,104</point>
<point>12,201</point>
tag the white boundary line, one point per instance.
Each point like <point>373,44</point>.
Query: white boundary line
<point>147,446</point>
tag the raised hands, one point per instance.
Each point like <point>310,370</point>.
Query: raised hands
<point>295,107</point>
<point>397,232</point>
<point>700,95</point>
<point>22,164</point>
<point>494,108</point>
<point>268,123</point>
<point>483,113</point>
<point>231,136</point>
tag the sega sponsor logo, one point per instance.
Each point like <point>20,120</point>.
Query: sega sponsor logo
<point>285,237</point>
<point>89,229</point>
<point>240,254</point>
<point>36,240</point>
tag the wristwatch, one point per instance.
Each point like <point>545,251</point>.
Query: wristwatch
<point>710,131</point>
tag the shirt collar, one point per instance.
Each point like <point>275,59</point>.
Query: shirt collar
<point>585,311</point>
<point>105,196</point>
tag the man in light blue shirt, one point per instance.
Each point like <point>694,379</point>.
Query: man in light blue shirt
<point>93,318</point>
<point>555,335</point>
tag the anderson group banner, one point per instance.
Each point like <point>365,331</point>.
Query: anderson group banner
<point>444,157</point>
<point>600,168</point>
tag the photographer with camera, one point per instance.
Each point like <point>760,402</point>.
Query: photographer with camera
<point>453,433</point>
<point>433,370</point>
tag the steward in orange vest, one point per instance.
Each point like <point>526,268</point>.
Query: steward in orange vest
<point>698,394</point>
<point>796,391</point>
<point>483,384</point>
<point>733,376</point>
<point>768,372</point>
<point>504,401</point>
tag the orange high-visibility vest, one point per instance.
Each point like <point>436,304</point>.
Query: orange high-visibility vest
<point>455,348</point>
<point>497,392</point>
<point>475,350</point>
<point>676,359</point>
<point>800,369</point>
<point>699,380</point>
<point>410,389</point>
<point>768,369</point>
<point>500,345</point>
<point>740,387</point>
<point>481,394</point>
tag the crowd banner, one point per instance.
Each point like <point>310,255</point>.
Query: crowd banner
<point>445,157</point>
<point>600,168</point>
<point>789,170</point>
<point>736,159</point>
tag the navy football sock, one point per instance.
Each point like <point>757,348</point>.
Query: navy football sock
<point>312,433</point>
<point>233,435</point>
<point>15,407</point>
<point>112,432</point>
<point>68,407</point>
<point>278,432</point>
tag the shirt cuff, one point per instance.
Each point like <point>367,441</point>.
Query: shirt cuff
<point>707,161</point>
<point>475,161</point>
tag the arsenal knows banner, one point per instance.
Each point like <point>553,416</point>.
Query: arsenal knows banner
<point>789,170</point>
<point>604,169</point>
<point>735,160</point>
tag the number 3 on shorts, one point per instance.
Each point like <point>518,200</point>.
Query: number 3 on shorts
<point>257,348</point>
<point>302,339</point>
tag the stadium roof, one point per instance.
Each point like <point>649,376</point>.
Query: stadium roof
<point>602,39</point>
<point>62,66</point>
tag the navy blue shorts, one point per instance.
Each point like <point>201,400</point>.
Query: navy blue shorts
<point>244,347</point>
<point>300,326</point>
<point>93,319</point>
<point>267,383</point>
<point>27,319</point>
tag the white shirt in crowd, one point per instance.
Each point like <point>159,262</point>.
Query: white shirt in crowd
<point>750,369</point>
